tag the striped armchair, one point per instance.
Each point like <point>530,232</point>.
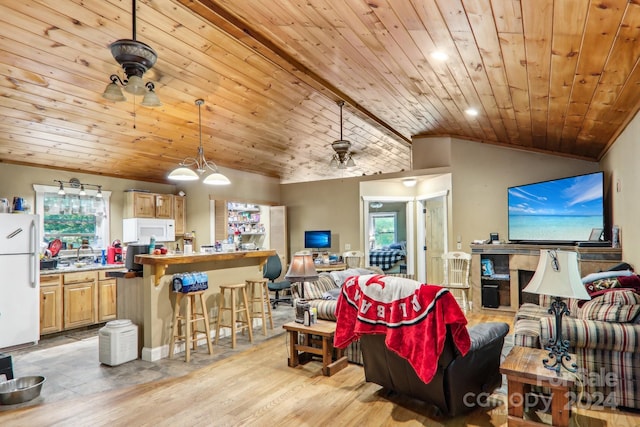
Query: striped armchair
<point>314,293</point>
<point>604,334</point>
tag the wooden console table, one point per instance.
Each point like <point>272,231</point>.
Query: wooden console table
<point>331,267</point>
<point>509,259</point>
<point>523,368</point>
<point>323,329</point>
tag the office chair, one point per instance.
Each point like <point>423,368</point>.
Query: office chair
<point>272,270</point>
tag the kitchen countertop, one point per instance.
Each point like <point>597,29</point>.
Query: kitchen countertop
<point>88,267</point>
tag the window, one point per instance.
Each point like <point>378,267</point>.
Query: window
<point>383,228</point>
<point>73,218</point>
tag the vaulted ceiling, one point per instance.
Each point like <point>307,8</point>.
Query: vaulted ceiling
<point>560,77</point>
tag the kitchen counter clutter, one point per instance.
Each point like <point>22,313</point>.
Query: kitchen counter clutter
<point>87,267</point>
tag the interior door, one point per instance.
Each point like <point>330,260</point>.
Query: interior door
<point>435,217</point>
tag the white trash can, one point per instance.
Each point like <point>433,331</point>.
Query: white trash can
<point>118,342</point>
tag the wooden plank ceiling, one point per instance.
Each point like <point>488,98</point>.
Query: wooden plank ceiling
<point>550,76</point>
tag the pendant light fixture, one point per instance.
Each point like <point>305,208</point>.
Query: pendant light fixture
<point>135,58</point>
<point>185,171</point>
<point>342,158</point>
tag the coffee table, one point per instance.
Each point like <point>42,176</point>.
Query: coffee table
<point>307,347</point>
<point>523,368</point>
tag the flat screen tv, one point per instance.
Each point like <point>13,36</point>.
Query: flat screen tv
<point>565,210</point>
<point>317,239</point>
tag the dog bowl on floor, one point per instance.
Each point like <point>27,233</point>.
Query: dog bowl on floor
<point>20,390</point>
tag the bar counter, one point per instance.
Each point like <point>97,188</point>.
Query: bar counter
<point>148,300</point>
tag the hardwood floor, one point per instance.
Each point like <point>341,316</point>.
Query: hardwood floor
<point>257,388</point>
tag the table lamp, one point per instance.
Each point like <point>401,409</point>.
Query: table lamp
<point>557,275</point>
<point>301,269</point>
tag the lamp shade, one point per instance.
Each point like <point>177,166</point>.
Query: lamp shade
<point>216,179</point>
<point>301,268</point>
<point>135,86</point>
<point>113,93</point>
<point>557,275</point>
<point>183,173</point>
<point>151,99</point>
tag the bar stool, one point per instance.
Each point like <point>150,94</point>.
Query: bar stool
<point>261,286</point>
<point>190,336</point>
<point>239,304</point>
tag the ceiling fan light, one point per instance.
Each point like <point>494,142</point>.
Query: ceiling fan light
<point>183,173</point>
<point>333,163</point>
<point>216,178</point>
<point>135,86</point>
<point>350,162</point>
<point>113,93</point>
<point>151,99</point>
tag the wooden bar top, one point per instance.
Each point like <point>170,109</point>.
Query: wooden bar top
<point>161,262</point>
<point>200,257</point>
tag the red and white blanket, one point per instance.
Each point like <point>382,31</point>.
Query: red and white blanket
<point>413,316</point>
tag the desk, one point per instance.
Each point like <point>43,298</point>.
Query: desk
<point>331,267</point>
<point>523,368</point>
<point>325,330</point>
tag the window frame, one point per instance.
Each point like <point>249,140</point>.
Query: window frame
<point>372,218</point>
<point>103,230</point>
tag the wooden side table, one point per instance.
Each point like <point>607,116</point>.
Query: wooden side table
<point>323,329</point>
<point>523,368</point>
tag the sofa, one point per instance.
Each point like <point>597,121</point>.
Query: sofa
<point>603,333</point>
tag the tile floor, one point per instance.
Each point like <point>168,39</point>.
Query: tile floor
<point>70,362</point>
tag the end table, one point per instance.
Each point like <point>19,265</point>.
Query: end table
<point>523,368</point>
<point>325,330</point>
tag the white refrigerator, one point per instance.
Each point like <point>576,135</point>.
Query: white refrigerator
<point>19,280</point>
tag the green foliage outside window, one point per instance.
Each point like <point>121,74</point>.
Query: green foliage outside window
<point>71,218</point>
<point>385,230</point>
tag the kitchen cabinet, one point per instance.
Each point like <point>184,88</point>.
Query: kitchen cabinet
<point>180,214</point>
<point>140,204</point>
<point>80,299</point>
<point>50,304</point>
<point>107,297</point>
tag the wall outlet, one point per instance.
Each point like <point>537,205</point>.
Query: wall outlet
<point>347,246</point>
<point>459,245</point>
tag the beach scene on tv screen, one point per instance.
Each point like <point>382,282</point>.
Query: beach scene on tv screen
<point>560,210</point>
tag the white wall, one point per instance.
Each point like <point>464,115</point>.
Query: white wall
<point>621,164</point>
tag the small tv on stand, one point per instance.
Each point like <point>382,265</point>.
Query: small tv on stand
<point>317,239</point>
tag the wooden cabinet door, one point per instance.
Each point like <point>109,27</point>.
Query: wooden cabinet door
<point>80,302</point>
<point>144,205</point>
<point>107,302</point>
<point>179,214</point>
<point>164,206</point>
<point>50,309</point>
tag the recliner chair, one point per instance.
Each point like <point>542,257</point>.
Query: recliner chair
<point>272,270</point>
<point>459,381</point>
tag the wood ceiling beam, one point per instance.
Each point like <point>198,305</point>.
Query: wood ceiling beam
<point>240,30</point>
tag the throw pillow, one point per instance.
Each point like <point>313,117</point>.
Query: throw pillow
<point>617,305</point>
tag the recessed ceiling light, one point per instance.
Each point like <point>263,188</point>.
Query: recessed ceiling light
<point>471,111</point>
<point>439,55</point>
<point>409,182</point>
